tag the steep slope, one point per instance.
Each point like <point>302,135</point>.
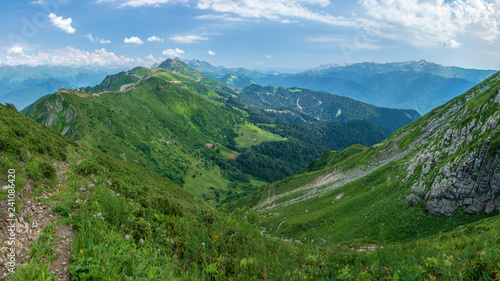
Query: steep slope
<point>236,81</point>
<point>322,106</point>
<point>427,177</point>
<point>119,214</point>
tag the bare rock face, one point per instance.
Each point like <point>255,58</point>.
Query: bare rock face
<point>457,161</point>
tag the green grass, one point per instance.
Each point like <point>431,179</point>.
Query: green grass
<point>249,135</point>
<point>372,206</point>
<point>133,225</point>
<point>158,126</point>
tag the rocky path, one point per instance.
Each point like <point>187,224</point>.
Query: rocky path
<point>33,215</point>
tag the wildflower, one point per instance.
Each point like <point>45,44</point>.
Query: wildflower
<point>141,241</point>
<point>118,194</point>
<point>203,244</point>
<point>78,201</point>
<point>127,237</point>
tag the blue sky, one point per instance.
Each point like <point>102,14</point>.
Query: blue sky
<point>256,34</point>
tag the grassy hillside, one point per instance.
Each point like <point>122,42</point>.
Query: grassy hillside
<point>156,125</point>
<point>128,224</point>
<point>189,128</point>
<point>434,175</point>
<point>321,106</point>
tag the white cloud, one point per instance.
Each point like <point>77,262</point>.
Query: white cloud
<point>39,2</point>
<point>225,17</point>
<point>70,56</point>
<point>15,50</point>
<point>275,10</point>
<point>173,53</point>
<point>155,39</point>
<point>452,44</point>
<point>434,22</point>
<point>97,39</point>
<point>210,52</point>
<point>64,24</point>
<point>133,40</point>
<point>187,38</point>
<point>268,56</point>
<point>139,3</point>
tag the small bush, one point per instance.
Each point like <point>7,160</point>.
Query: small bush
<point>87,168</point>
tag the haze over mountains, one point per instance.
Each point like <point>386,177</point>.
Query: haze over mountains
<point>418,85</point>
<point>22,85</point>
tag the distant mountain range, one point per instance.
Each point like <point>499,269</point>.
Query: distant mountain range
<point>418,85</point>
<point>22,85</point>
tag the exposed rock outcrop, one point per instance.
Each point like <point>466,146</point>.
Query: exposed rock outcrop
<point>458,162</point>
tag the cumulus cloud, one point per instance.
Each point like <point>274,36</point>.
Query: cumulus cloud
<point>187,38</point>
<point>133,40</point>
<point>268,56</point>
<point>173,53</point>
<point>277,10</point>
<point>97,39</point>
<point>434,22</point>
<point>70,56</point>
<point>59,22</point>
<point>210,52</point>
<point>15,50</point>
<point>155,39</point>
<point>39,2</point>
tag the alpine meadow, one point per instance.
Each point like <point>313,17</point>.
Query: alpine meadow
<point>249,140</point>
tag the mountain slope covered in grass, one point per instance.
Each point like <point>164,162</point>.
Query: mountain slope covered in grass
<point>321,106</point>
<point>192,129</point>
<point>129,224</point>
<point>436,174</point>
<point>156,125</point>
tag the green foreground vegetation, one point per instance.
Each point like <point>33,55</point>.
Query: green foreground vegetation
<point>132,225</point>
